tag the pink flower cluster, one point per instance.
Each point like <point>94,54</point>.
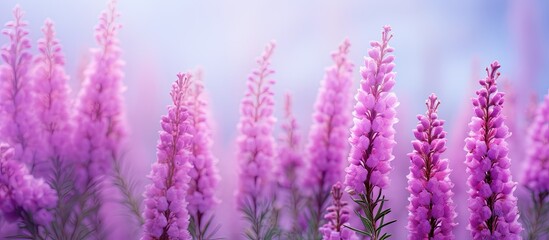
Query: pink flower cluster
<point>536,177</point>
<point>431,207</point>
<point>372,136</point>
<point>18,128</point>
<point>327,149</point>
<point>256,142</point>
<point>166,215</point>
<point>100,115</point>
<point>21,195</point>
<point>51,100</point>
<point>337,215</point>
<point>493,207</point>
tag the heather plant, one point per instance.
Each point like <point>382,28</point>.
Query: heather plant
<point>100,135</point>
<point>536,176</point>
<point>492,204</point>
<point>290,160</point>
<point>431,207</point>
<point>166,215</point>
<point>372,139</point>
<point>256,151</point>
<point>18,126</point>
<point>204,176</point>
<point>327,149</point>
<point>51,102</point>
<point>337,216</point>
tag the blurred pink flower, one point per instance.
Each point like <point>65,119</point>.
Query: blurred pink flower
<point>18,126</point>
<point>327,148</point>
<point>256,146</point>
<point>23,197</point>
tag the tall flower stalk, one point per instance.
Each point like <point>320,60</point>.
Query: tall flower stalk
<point>492,205</point>
<point>166,215</point>
<point>290,158</point>
<point>536,177</point>
<point>204,174</point>
<point>51,102</point>
<point>256,152</point>
<point>337,216</point>
<point>100,118</point>
<point>327,148</point>
<point>18,120</point>
<point>431,207</point>
<point>372,138</point>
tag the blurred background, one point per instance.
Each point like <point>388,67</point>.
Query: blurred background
<point>440,46</point>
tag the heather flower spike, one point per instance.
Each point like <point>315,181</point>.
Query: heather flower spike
<point>52,98</point>
<point>16,103</point>
<point>204,175</point>
<point>23,198</point>
<point>290,160</point>
<point>536,177</point>
<point>256,151</point>
<point>337,216</point>
<point>372,138</point>
<point>431,207</point>
<point>166,215</point>
<point>327,147</point>
<point>100,118</point>
<point>493,207</point>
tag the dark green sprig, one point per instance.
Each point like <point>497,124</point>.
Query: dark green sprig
<point>203,231</point>
<point>374,216</point>
<point>536,219</point>
<point>263,219</point>
<point>127,187</point>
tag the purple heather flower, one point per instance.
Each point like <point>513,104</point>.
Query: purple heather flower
<point>18,120</point>
<point>51,99</point>
<point>536,177</point>
<point>493,207</point>
<point>431,207</point>
<point>327,148</point>
<point>23,197</point>
<point>337,216</point>
<point>166,215</point>
<point>290,160</point>
<point>256,146</point>
<point>372,136</point>
<point>204,174</point>
<point>99,109</point>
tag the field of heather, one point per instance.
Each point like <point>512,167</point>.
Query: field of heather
<point>274,120</point>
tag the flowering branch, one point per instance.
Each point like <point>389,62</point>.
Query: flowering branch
<point>372,138</point>
<point>492,205</point>
<point>166,215</point>
<point>431,208</point>
<point>327,148</point>
<point>256,152</point>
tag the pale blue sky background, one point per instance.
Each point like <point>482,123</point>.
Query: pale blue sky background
<point>439,46</point>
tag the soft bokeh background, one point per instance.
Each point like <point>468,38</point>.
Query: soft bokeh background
<point>441,47</point>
